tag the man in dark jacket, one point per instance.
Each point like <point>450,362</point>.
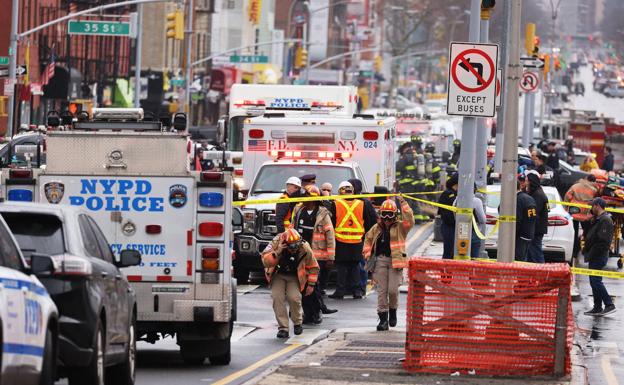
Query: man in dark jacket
<point>534,189</point>
<point>370,220</point>
<point>526,213</point>
<point>608,162</point>
<point>448,217</point>
<point>597,244</point>
<point>553,157</point>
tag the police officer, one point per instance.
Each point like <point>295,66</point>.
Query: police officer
<point>308,179</point>
<point>534,189</point>
<point>314,223</point>
<point>290,269</point>
<point>526,214</point>
<point>283,211</point>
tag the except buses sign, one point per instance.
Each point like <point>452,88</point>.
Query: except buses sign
<point>472,79</point>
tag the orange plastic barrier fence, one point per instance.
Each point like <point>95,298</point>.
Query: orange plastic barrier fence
<point>499,319</point>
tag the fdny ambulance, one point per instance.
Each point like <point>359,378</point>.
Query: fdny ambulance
<point>335,149</point>
<point>133,176</point>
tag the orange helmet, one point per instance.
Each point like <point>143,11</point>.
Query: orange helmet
<point>292,238</point>
<point>312,190</point>
<point>388,209</point>
<point>601,175</point>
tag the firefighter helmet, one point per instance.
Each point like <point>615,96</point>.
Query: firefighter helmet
<point>416,139</point>
<point>312,190</point>
<point>292,238</point>
<point>388,209</point>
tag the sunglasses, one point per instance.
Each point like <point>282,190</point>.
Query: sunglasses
<point>387,214</point>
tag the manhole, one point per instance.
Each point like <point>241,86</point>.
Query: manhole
<point>367,354</point>
<point>380,344</point>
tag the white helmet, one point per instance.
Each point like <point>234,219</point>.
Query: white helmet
<point>345,184</point>
<point>294,180</point>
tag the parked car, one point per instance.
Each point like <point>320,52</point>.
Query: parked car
<point>614,91</point>
<point>13,152</point>
<point>28,317</point>
<point>96,303</point>
<point>557,243</point>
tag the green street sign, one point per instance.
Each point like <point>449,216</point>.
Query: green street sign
<point>366,74</point>
<point>4,60</point>
<point>104,28</point>
<point>254,59</point>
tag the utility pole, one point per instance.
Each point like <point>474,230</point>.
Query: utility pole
<point>137,61</point>
<point>189,67</point>
<point>507,218</point>
<point>482,132</point>
<point>500,115</point>
<point>12,68</point>
<point>465,196</point>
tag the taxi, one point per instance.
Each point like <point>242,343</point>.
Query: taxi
<point>28,317</point>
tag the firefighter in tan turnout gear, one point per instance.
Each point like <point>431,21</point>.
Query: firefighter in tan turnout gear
<point>384,251</point>
<point>291,269</point>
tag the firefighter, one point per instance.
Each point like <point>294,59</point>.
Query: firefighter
<point>350,232</point>
<point>405,168</point>
<point>582,192</point>
<point>453,166</point>
<point>313,222</point>
<point>419,186</point>
<point>283,211</point>
<point>384,251</point>
<point>417,142</point>
<point>290,269</point>
<point>435,166</point>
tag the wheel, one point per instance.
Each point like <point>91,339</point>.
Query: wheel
<point>92,374</point>
<point>222,359</point>
<point>190,355</point>
<point>124,373</point>
<point>241,274</point>
<point>49,361</point>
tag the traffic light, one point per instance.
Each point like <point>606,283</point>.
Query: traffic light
<point>488,4</point>
<point>546,68</point>
<point>175,25</point>
<point>529,38</point>
<point>378,63</point>
<point>536,44</point>
<point>301,57</point>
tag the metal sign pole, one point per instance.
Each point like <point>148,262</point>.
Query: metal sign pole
<point>500,118</point>
<point>12,79</point>
<point>137,61</point>
<point>507,218</point>
<point>465,196</point>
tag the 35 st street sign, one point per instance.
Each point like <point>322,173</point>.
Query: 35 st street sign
<point>103,28</point>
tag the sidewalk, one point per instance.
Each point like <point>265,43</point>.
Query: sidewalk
<point>364,356</point>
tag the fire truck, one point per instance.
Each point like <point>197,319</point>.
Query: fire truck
<point>335,149</point>
<point>593,134</point>
<point>133,176</point>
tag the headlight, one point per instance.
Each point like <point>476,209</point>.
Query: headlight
<point>249,221</point>
<point>239,182</point>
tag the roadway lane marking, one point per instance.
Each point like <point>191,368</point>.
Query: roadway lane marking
<point>607,369</point>
<point>417,234</point>
<point>236,375</point>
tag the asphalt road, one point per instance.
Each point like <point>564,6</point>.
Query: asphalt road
<point>593,100</point>
<point>254,345</point>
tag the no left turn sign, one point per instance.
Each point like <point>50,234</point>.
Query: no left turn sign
<point>472,79</point>
<point>530,82</point>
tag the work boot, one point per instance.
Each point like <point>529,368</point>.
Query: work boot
<point>383,321</point>
<point>282,334</point>
<point>298,329</point>
<point>392,321</point>
<point>336,295</point>
<point>326,310</point>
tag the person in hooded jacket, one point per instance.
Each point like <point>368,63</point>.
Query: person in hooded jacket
<point>447,198</point>
<point>534,189</point>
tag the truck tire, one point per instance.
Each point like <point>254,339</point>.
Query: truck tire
<point>125,372</point>
<point>222,359</point>
<point>92,374</point>
<point>191,355</point>
<point>49,361</point>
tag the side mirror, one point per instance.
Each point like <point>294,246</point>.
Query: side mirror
<point>41,265</point>
<point>129,258</point>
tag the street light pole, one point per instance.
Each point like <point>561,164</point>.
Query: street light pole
<point>465,196</point>
<point>500,117</point>
<point>137,61</point>
<point>189,67</point>
<point>12,67</point>
<point>507,218</point>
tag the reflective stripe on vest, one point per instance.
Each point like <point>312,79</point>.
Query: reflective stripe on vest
<point>350,220</point>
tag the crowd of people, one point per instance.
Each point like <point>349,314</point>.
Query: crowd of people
<point>349,233</point>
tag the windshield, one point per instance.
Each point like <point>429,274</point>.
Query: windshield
<point>235,133</point>
<point>36,233</point>
<point>272,178</point>
<point>493,198</point>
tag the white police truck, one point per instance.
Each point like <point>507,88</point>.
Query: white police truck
<point>132,175</point>
<point>28,317</point>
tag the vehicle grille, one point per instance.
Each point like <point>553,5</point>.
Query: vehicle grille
<point>267,224</point>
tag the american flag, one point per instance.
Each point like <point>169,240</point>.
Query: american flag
<point>48,71</point>
<point>257,145</point>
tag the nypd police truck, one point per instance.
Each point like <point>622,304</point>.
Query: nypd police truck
<point>132,174</point>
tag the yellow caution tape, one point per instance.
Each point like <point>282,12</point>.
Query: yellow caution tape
<point>507,218</point>
<point>478,232</point>
<point>308,199</point>
<point>574,270</point>
<point>586,206</point>
<point>447,207</point>
<point>463,211</point>
<point>424,193</point>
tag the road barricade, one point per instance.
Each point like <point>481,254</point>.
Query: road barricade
<point>498,319</point>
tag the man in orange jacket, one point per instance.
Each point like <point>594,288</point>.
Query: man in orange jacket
<point>583,192</point>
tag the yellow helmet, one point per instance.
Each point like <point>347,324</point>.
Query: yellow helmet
<point>291,237</point>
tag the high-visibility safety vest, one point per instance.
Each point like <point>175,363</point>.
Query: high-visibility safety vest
<point>349,221</point>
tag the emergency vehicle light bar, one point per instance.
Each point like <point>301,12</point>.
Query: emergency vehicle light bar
<point>320,155</point>
<point>135,114</point>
